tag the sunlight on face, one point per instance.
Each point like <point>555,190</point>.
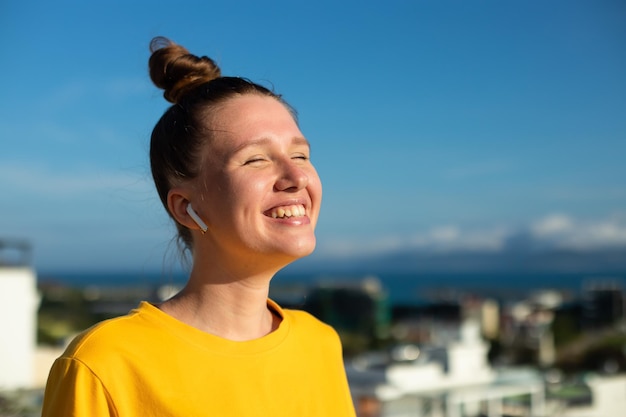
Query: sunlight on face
<point>260,191</point>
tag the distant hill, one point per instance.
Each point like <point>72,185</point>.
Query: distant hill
<point>518,259</point>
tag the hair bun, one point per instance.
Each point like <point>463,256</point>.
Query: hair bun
<point>176,71</point>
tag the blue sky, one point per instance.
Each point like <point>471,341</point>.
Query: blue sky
<point>435,124</point>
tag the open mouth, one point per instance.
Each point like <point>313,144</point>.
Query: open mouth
<point>283,212</point>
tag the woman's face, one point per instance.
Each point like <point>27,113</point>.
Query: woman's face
<point>258,190</point>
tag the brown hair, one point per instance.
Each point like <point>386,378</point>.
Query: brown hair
<point>196,87</point>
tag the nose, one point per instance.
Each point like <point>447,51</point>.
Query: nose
<point>292,177</point>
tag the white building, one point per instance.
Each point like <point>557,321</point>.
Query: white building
<point>454,380</point>
<point>19,302</point>
<point>609,398</point>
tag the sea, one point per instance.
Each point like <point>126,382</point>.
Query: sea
<point>399,288</point>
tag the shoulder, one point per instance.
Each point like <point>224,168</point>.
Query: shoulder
<point>73,389</point>
<point>300,319</point>
<point>78,380</point>
<point>303,318</point>
<point>302,322</point>
<point>108,336</point>
<point>315,340</point>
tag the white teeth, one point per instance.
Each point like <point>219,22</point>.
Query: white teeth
<point>288,211</point>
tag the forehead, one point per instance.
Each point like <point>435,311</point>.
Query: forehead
<point>251,110</point>
<point>252,118</point>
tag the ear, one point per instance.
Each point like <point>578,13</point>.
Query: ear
<point>177,202</point>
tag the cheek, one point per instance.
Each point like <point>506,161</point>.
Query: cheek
<point>222,193</point>
<point>315,192</point>
<point>248,190</point>
<point>315,184</point>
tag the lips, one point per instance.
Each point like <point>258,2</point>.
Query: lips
<point>282,212</point>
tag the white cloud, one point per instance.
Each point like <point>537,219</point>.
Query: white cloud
<point>450,238</point>
<point>445,234</point>
<point>552,225</point>
<point>438,239</point>
<point>339,247</point>
<point>565,232</point>
<point>38,181</point>
<point>81,89</point>
<point>552,231</point>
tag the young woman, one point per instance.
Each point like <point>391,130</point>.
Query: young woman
<point>234,172</point>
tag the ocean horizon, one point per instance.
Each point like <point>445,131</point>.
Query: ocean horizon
<point>400,287</point>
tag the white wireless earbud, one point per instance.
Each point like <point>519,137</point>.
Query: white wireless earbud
<point>196,218</point>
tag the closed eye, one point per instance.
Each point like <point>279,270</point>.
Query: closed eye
<point>255,160</point>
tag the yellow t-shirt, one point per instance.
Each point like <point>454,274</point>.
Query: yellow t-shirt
<point>149,364</point>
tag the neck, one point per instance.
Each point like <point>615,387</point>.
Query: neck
<point>228,306</point>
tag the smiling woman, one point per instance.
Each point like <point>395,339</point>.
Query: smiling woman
<point>234,172</point>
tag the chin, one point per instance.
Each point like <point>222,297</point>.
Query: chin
<point>300,250</point>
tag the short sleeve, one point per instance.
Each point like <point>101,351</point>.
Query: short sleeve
<point>73,390</point>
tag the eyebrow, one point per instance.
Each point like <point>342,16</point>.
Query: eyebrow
<point>298,140</point>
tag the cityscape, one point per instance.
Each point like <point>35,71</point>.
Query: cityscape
<point>449,351</point>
